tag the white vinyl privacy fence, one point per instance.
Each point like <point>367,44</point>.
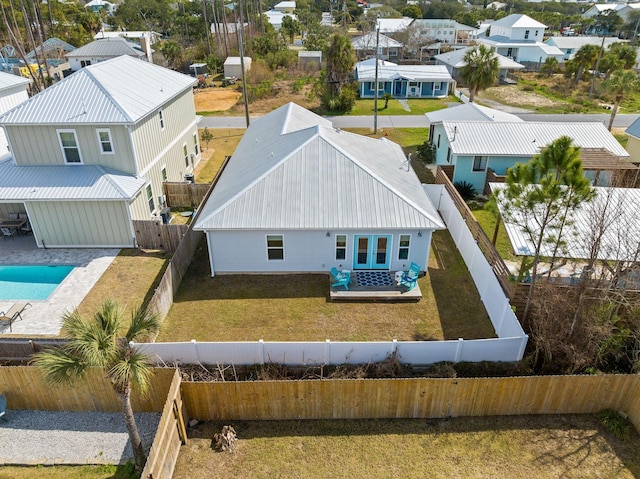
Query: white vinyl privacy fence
<point>508,346</point>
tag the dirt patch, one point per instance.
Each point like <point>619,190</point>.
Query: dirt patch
<point>282,92</point>
<point>512,95</point>
<point>215,99</point>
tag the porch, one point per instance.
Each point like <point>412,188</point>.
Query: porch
<point>371,285</point>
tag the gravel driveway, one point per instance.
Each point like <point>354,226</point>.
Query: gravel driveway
<point>54,437</point>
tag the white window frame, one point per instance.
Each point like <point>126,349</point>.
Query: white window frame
<point>101,143</point>
<point>163,173</point>
<point>437,85</point>
<point>150,198</point>
<point>161,118</point>
<point>185,152</point>
<point>400,247</point>
<point>196,143</point>
<point>479,158</point>
<point>269,248</point>
<point>341,248</point>
<point>62,148</point>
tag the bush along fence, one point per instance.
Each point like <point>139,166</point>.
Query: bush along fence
<point>508,346</point>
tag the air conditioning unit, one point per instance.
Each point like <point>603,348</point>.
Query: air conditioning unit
<point>162,200</point>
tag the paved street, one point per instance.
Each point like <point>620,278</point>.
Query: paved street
<point>407,121</point>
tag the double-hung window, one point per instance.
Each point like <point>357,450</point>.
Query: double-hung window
<point>403,247</point>
<point>161,119</point>
<point>185,152</point>
<point>104,139</point>
<point>163,172</point>
<point>341,247</point>
<point>479,163</point>
<point>526,34</point>
<point>275,247</point>
<point>196,147</point>
<point>69,145</point>
<point>152,206</point>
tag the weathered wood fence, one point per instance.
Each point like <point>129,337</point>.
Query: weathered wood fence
<point>21,349</point>
<point>153,234</point>
<point>171,434</point>
<point>484,243</point>
<point>185,195</point>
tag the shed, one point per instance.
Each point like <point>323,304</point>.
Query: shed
<point>309,59</point>
<point>197,69</point>
<point>233,68</point>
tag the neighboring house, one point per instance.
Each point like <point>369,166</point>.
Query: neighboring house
<point>51,48</point>
<point>468,112</point>
<point>144,38</point>
<point>275,18</point>
<point>101,50</point>
<point>402,81</point>
<point>13,91</point>
<point>454,61</point>
<point>299,195</point>
<point>226,28</point>
<point>570,45</point>
<point>327,19</point>
<point>90,153</point>
<point>285,7</point>
<point>389,26</point>
<point>310,59</point>
<point>444,31</point>
<point>633,141</point>
<point>97,6</point>
<point>520,37</point>
<point>233,66</point>
<point>621,9</point>
<point>467,150</point>
<point>365,47</point>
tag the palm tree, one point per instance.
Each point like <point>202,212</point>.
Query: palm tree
<point>480,71</point>
<point>97,343</point>
<point>586,56</point>
<point>550,66</point>
<point>340,61</point>
<point>620,85</point>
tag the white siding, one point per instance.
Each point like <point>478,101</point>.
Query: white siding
<point>9,98</point>
<point>304,251</point>
<point>81,223</point>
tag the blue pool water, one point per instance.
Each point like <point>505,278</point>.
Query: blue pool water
<point>30,282</point>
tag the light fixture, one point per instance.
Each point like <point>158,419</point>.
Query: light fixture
<point>328,234</point>
<point>419,234</point>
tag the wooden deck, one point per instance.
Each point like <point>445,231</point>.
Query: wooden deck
<point>358,292</point>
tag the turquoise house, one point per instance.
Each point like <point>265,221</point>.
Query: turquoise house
<point>468,150</point>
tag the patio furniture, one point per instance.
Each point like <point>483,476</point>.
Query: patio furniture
<point>410,278</point>
<point>6,232</point>
<point>26,229</point>
<point>3,406</point>
<point>13,216</point>
<point>340,278</point>
<point>11,316</point>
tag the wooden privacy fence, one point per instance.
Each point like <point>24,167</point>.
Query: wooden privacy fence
<point>412,398</point>
<point>153,234</point>
<point>484,243</point>
<point>185,195</point>
<point>171,434</point>
<point>25,388</point>
<point>18,349</point>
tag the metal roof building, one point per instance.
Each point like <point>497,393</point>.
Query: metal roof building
<point>387,72</point>
<point>470,112</point>
<point>108,47</point>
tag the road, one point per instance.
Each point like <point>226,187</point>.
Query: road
<point>408,121</point>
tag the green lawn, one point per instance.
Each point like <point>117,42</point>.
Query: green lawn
<point>68,472</point>
<point>514,447</point>
<point>417,106</point>
<point>223,143</point>
<point>296,308</point>
<point>488,223</point>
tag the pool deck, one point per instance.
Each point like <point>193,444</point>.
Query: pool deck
<point>45,317</point>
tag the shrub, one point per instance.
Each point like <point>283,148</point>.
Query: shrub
<point>615,423</point>
<point>426,152</point>
<point>527,88</point>
<point>465,189</point>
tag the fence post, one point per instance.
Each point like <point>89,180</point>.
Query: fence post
<point>523,345</point>
<point>327,351</point>
<point>459,350</point>
<point>261,343</point>
<point>195,349</point>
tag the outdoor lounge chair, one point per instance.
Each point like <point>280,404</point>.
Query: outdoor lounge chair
<point>14,314</point>
<point>410,278</point>
<point>340,279</point>
<point>3,406</point>
<point>6,233</point>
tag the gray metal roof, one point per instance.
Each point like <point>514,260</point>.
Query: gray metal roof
<point>470,112</point>
<point>634,129</point>
<point>524,138</point>
<point>455,59</point>
<point>65,182</point>
<point>120,90</point>
<point>9,80</point>
<point>315,177</point>
<point>107,48</point>
<point>518,20</point>
<point>368,42</point>
<point>617,209</point>
<point>410,72</point>
<point>565,42</point>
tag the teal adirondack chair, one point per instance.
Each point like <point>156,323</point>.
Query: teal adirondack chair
<point>410,278</point>
<point>340,279</point>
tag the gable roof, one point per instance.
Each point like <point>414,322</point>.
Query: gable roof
<point>293,170</point>
<point>9,80</point>
<point>565,42</point>
<point>455,59</point>
<point>386,72</point>
<point>524,138</point>
<point>65,182</point>
<point>470,112</point>
<point>108,47</point>
<point>122,90</point>
<point>634,129</point>
<point>368,42</point>
<point>518,20</point>
<point>392,25</point>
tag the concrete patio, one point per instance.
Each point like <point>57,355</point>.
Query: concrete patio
<point>45,317</point>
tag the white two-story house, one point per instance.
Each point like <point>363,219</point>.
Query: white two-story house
<point>89,154</point>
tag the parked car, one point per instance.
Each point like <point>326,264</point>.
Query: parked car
<point>229,81</point>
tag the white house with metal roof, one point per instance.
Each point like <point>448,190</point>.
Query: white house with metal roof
<point>89,154</point>
<point>13,91</point>
<point>570,45</point>
<point>443,30</point>
<point>101,50</point>
<point>454,61</point>
<point>470,148</point>
<point>365,47</point>
<point>301,196</point>
<point>520,37</point>
<point>633,141</point>
<point>402,81</point>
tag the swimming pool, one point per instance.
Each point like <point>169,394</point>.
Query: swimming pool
<point>34,283</point>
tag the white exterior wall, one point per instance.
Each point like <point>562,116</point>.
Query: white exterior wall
<point>8,99</point>
<point>535,34</point>
<point>40,145</point>
<point>75,65</point>
<point>304,251</point>
<point>59,224</point>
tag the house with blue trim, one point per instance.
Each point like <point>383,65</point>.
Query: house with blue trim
<point>469,151</point>
<point>402,81</point>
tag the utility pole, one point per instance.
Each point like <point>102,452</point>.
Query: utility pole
<point>244,72</point>
<point>595,73</point>
<point>375,91</point>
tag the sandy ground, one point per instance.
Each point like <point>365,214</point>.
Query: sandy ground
<point>215,99</point>
<point>510,94</point>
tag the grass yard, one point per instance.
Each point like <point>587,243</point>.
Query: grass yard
<point>68,472</point>
<point>296,307</point>
<point>541,447</point>
<point>417,106</point>
<point>223,144</point>
<point>130,279</point>
<point>488,223</point>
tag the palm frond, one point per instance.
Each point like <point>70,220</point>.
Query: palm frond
<point>144,325</point>
<point>109,317</point>
<point>60,366</point>
<point>132,370</point>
